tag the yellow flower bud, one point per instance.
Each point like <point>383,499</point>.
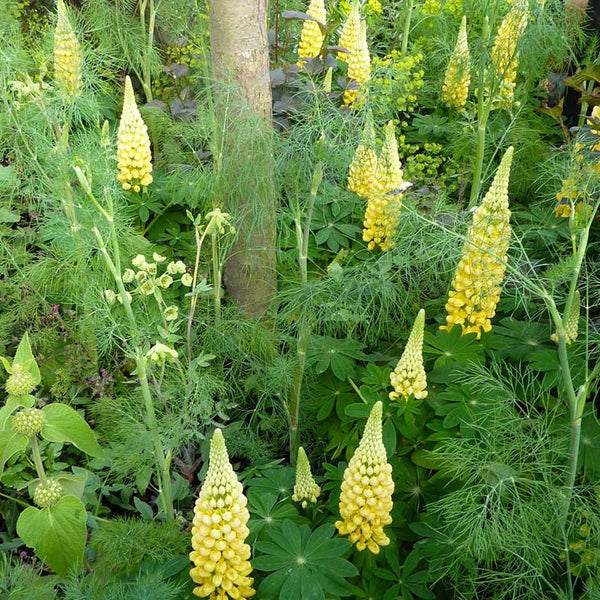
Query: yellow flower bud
<point>67,54</point>
<point>458,74</point>
<point>366,496</point>
<point>480,272</point>
<point>311,38</point>
<point>409,378</point>
<point>359,68</point>
<point>219,530</point>
<point>306,489</point>
<point>134,158</point>
<point>349,33</point>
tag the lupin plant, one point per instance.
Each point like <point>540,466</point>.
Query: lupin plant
<point>134,157</point>
<point>67,55</point>
<point>458,73</point>
<point>359,69</point>
<point>219,530</point>
<point>480,272</point>
<point>349,34</point>
<point>409,377</point>
<point>312,37</point>
<point>505,56</point>
<point>496,84</point>
<point>366,497</point>
<point>306,489</point>
<point>385,199</point>
<point>363,171</point>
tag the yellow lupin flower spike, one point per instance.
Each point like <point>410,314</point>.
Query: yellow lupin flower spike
<point>349,33</point>
<point>67,55</point>
<point>366,497</point>
<point>359,67</point>
<point>306,489</point>
<point>505,58</point>
<point>476,286</point>
<point>363,173</point>
<point>220,556</point>
<point>409,378</point>
<point>458,73</point>
<point>572,325</point>
<point>311,38</point>
<point>134,158</point>
<point>385,201</point>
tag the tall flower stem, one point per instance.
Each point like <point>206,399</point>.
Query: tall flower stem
<point>304,325</point>
<point>216,268</point>
<point>162,456</point>
<point>406,29</point>
<point>37,459</point>
<point>199,242</point>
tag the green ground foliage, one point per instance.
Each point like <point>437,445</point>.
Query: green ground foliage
<point>122,352</point>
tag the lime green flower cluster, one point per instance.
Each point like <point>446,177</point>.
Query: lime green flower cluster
<point>431,8</point>
<point>426,164</point>
<point>366,497</point>
<point>584,554</point>
<point>220,555</point>
<point>148,282</point>
<point>454,7</point>
<point>395,82</point>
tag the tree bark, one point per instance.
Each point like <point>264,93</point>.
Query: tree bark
<point>244,158</point>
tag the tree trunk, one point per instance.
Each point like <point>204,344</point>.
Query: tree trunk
<point>243,142</point>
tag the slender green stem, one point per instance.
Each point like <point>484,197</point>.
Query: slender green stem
<point>37,459</point>
<point>483,113</point>
<point>406,29</point>
<point>216,267</point>
<point>304,325</point>
<point>199,241</point>
<point>161,456</point>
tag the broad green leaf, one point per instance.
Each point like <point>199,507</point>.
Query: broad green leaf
<point>309,587</point>
<point>6,364</point>
<point>143,508</point>
<point>291,588</point>
<point>12,403</point>
<point>11,442</point>
<point>7,216</point>
<point>24,356</point>
<point>63,424</point>
<point>57,533</point>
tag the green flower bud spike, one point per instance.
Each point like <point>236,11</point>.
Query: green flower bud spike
<point>20,382</point>
<point>48,493</point>
<point>28,421</point>
<point>306,489</point>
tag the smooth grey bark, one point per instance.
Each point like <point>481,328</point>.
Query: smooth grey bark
<point>244,159</point>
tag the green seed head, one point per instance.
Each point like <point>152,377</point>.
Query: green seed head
<point>28,421</point>
<point>20,382</point>
<point>47,494</point>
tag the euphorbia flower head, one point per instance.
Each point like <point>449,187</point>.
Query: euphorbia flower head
<point>219,530</point>
<point>409,378</point>
<point>134,158</point>
<point>458,73</point>
<point>366,497</point>
<point>480,272</point>
<point>311,38</point>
